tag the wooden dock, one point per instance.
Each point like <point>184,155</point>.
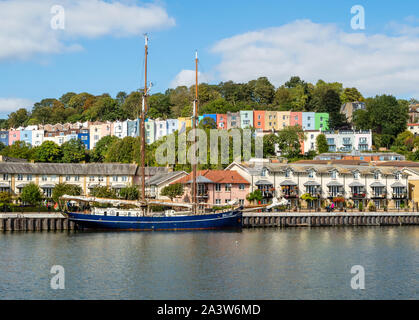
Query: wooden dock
<point>325,219</point>
<point>35,222</point>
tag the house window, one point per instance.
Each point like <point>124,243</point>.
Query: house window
<point>101,178</point>
<point>397,176</point>
<point>5,176</point>
<point>356,175</point>
<point>241,186</point>
<point>91,178</point>
<point>287,174</point>
<point>263,173</point>
<point>67,178</point>
<point>217,201</point>
<point>376,175</point>
<point>124,178</point>
<point>311,174</point>
<point>20,177</point>
<point>217,187</point>
<point>333,174</point>
<point>76,178</point>
<point>29,177</point>
<point>115,178</point>
<point>44,178</point>
<point>241,202</point>
<point>228,187</point>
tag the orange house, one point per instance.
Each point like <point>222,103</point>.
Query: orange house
<point>259,119</point>
<point>221,121</point>
<point>296,119</point>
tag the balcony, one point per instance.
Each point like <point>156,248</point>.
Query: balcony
<point>358,195</point>
<point>400,195</point>
<point>202,194</point>
<point>289,195</point>
<point>382,195</point>
<point>335,194</point>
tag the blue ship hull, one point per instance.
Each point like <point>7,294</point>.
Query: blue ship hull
<point>230,219</point>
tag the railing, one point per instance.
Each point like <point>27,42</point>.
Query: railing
<point>402,195</point>
<point>378,195</point>
<point>287,195</point>
<point>335,194</point>
<point>358,195</point>
<point>202,194</point>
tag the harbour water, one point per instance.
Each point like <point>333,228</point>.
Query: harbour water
<point>302,263</point>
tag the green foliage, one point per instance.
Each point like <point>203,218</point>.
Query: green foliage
<point>103,192</point>
<point>255,196</point>
<point>129,193</point>
<point>307,197</point>
<point>48,151</point>
<point>5,199</point>
<point>31,194</point>
<point>122,150</point>
<point>61,189</point>
<point>321,144</point>
<point>98,154</point>
<point>172,191</point>
<point>289,141</point>
<point>19,149</point>
<point>73,151</point>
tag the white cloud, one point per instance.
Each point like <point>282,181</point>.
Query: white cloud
<point>375,64</point>
<point>187,78</point>
<point>12,104</point>
<point>25,25</point>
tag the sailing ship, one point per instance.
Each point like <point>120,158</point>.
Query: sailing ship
<point>89,212</point>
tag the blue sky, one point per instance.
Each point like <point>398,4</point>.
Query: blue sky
<point>236,39</point>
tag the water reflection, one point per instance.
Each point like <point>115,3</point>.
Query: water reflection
<point>306,263</point>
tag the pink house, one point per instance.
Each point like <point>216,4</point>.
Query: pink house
<point>296,119</point>
<point>14,135</point>
<point>216,187</point>
<point>221,121</point>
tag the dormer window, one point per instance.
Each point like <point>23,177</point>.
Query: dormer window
<point>311,174</point>
<point>376,175</point>
<point>356,175</point>
<point>397,176</point>
<point>334,174</point>
<point>264,171</point>
<point>287,173</point>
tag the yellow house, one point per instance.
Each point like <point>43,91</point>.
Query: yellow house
<point>271,120</point>
<point>184,122</point>
<point>283,119</point>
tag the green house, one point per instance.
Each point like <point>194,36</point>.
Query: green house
<point>321,121</point>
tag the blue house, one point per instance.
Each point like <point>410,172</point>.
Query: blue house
<point>4,137</point>
<point>309,120</point>
<point>84,137</point>
<point>133,127</point>
<point>26,136</point>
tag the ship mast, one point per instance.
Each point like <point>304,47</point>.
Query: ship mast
<point>142,120</point>
<point>194,120</point>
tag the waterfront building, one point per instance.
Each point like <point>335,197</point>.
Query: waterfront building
<point>364,156</point>
<point>15,176</point>
<point>97,131</point>
<point>350,107</point>
<point>296,119</point>
<point>308,121</point>
<point>184,123</point>
<point>215,187</point>
<point>161,128</point>
<point>311,143</point>
<point>133,128</point>
<point>37,137</point>
<point>271,121</point>
<point>156,183</point>
<point>172,126</point>
<point>246,119</point>
<point>259,120</point>
<point>381,187</point>
<point>284,118</point>
<point>4,137</point>
<point>120,129</point>
<point>233,120</point>
<point>221,121</point>
<point>150,130</point>
<point>346,141</point>
<point>413,128</point>
<point>84,136</point>
<point>321,121</point>
<point>14,135</point>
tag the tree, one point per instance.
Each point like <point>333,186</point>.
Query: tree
<point>255,196</point>
<point>5,199</point>
<point>129,193</point>
<point>61,189</point>
<point>289,141</point>
<point>172,191</point>
<point>263,90</point>
<point>103,192</point>
<point>321,144</point>
<point>31,194</point>
<point>331,104</point>
<point>98,154</point>
<point>48,151</point>
<point>18,118</point>
<point>19,149</point>
<point>351,95</point>
<point>73,151</point>
<point>121,150</point>
<point>207,123</point>
<point>269,142</point>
